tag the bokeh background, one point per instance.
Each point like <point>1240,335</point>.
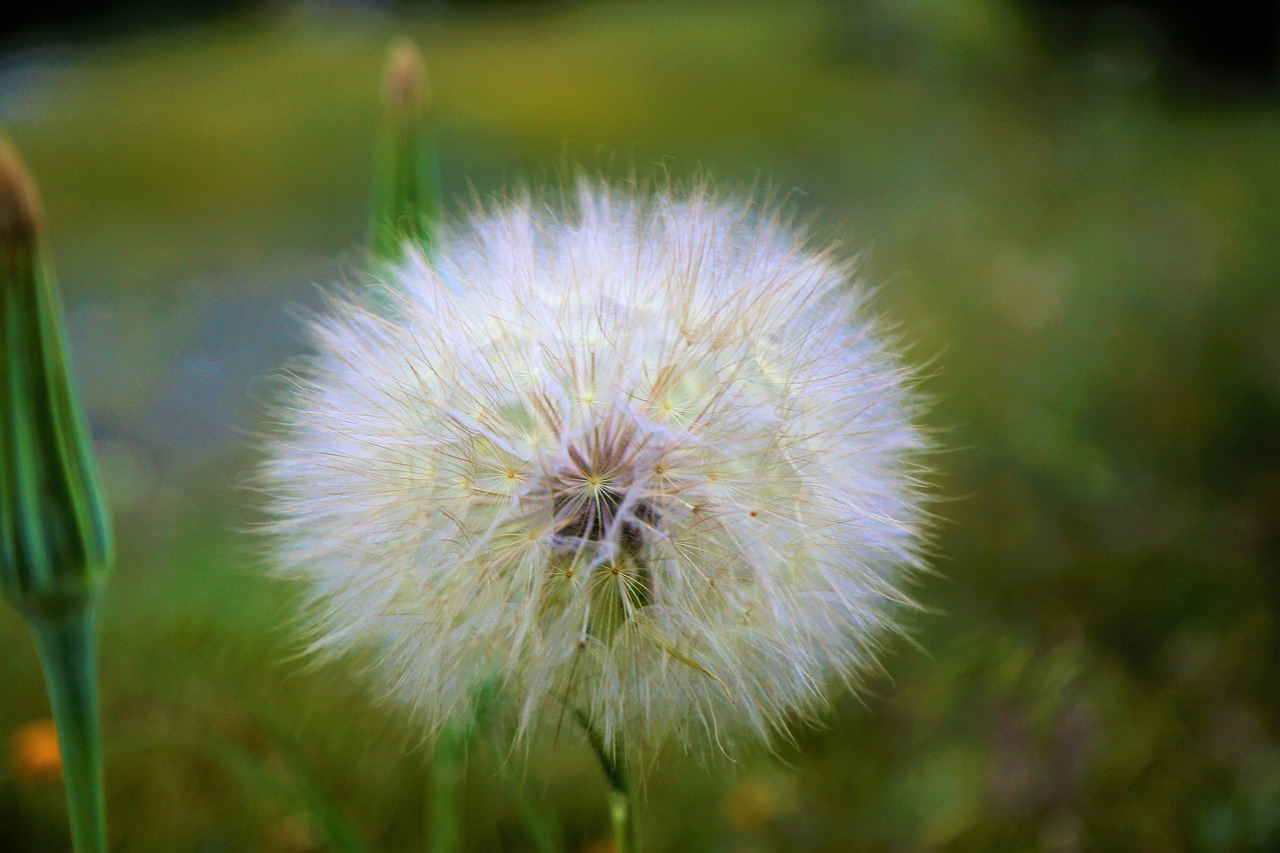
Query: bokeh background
<point>1071,211</point>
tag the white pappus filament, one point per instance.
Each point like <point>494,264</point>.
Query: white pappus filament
<point>638,458</point>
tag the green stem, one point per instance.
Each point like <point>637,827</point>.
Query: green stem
<point>544,834</point>
<point>65,644</point>
<point>623,821</point>
<point>626,835</point>
<point>446,790</point>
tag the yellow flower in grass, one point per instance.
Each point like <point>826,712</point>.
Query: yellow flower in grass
<point>34,754</point>
<point>642,460</point>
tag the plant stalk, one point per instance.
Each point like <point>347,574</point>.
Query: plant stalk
<point>626,834</point>
<point>446,790</point>
<point>65,643</point>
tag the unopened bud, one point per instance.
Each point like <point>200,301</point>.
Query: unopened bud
<point>55,537</point>
<point>407,180</point>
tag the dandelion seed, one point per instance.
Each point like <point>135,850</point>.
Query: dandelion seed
<point>640,460</point>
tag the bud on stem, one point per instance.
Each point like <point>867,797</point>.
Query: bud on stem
<point>407,171</point>
<point>55,537</point>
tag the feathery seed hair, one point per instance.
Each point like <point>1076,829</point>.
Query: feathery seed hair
<point>636,458</point>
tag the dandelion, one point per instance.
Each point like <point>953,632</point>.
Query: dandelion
<point>643,461</point>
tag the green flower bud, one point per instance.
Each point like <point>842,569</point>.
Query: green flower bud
<point>407,170</point>
<point>55,537</point>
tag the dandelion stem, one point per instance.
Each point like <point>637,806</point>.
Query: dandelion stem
<point>626,836</point>
<point>65,644</point>
<point>544,833</point>
<point>446,790</point>
<point>624,825</point>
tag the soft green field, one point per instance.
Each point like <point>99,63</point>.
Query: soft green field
<point>1086,266</point>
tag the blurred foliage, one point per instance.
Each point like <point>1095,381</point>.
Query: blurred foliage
<point>1088,270</point>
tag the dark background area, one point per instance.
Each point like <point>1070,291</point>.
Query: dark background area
<point>1206,48</point>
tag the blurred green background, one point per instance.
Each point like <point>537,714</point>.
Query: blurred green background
<point>1084,260</point>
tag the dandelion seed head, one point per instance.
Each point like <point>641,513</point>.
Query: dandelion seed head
<point>643,459</point>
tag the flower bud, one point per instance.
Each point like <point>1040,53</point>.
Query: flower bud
<point>55,538</point>
<point>407,170</point>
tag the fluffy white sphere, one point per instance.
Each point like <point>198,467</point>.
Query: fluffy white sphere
<point>638,459</point>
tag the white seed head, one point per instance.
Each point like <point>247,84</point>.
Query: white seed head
<point>633,458</point>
